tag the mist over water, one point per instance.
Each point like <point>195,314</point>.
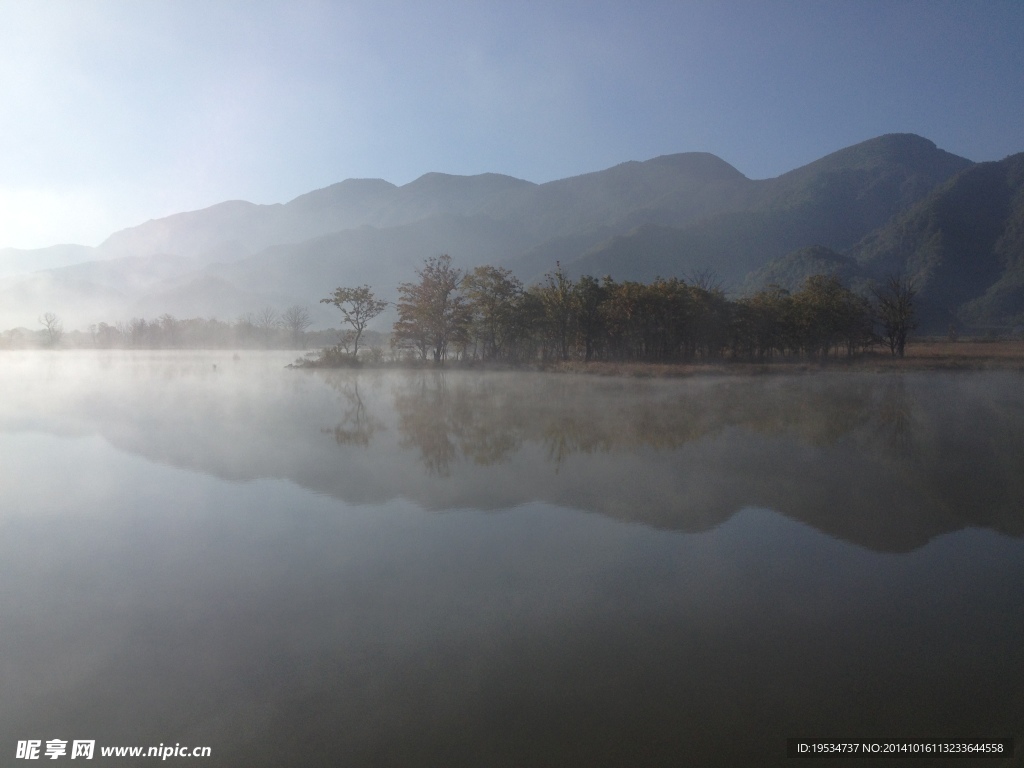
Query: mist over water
<point>426,568</point>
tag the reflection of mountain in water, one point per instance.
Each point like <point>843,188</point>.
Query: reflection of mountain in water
<point>885,461</point>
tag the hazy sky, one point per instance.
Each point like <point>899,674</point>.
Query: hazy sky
<point>112,113</point>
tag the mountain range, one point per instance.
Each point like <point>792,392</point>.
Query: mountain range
<point>896,203</point>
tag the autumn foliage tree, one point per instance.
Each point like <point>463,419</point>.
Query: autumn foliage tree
<point>492,294</point>
<point>358,307</point>
<point>557,297</point>
<point>433,315</point>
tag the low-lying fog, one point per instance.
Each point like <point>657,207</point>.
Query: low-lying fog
<point>884,460</point>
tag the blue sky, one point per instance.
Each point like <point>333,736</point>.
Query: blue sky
<point>112,113</point>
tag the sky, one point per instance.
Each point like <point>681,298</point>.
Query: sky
<point>113,113</point>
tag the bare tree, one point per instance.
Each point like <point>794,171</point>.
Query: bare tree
<point>296,320</point>
<point>705,280</point>
<point>896,311</point>
<point>267,320</point>
<point>53,328</point>
<point>358,306</point>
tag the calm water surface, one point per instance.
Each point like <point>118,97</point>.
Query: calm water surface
<point>421,569</point>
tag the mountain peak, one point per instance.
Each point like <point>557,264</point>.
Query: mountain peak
<point>891,149</point>
<point>344,190</point>
<point>700,165</point>
<point>491,182</point>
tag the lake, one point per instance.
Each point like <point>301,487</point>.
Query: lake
<point>420,568</point>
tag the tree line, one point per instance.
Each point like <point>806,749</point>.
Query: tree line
<point>264,328</point>
<point>488,314</point>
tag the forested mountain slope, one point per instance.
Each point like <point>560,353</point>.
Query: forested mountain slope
<point>963,246</point>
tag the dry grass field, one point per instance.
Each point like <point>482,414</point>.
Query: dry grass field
<point>967,351</point>
<point>920,356</point>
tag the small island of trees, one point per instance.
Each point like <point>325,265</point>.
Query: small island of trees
<point>488,315</point>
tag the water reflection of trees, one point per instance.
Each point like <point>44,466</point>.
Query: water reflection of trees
<point>886,461</point>
<point>485,419</point>
<point>357,425</point>
<point>895,422</point>
<point>447,421</point>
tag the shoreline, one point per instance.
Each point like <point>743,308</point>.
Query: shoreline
<point>926,355</point>
<point>923,356</point>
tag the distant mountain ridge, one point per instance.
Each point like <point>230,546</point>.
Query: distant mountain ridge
<point>17,260</point>
<point>546,210</point>
<point>894,202</point>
